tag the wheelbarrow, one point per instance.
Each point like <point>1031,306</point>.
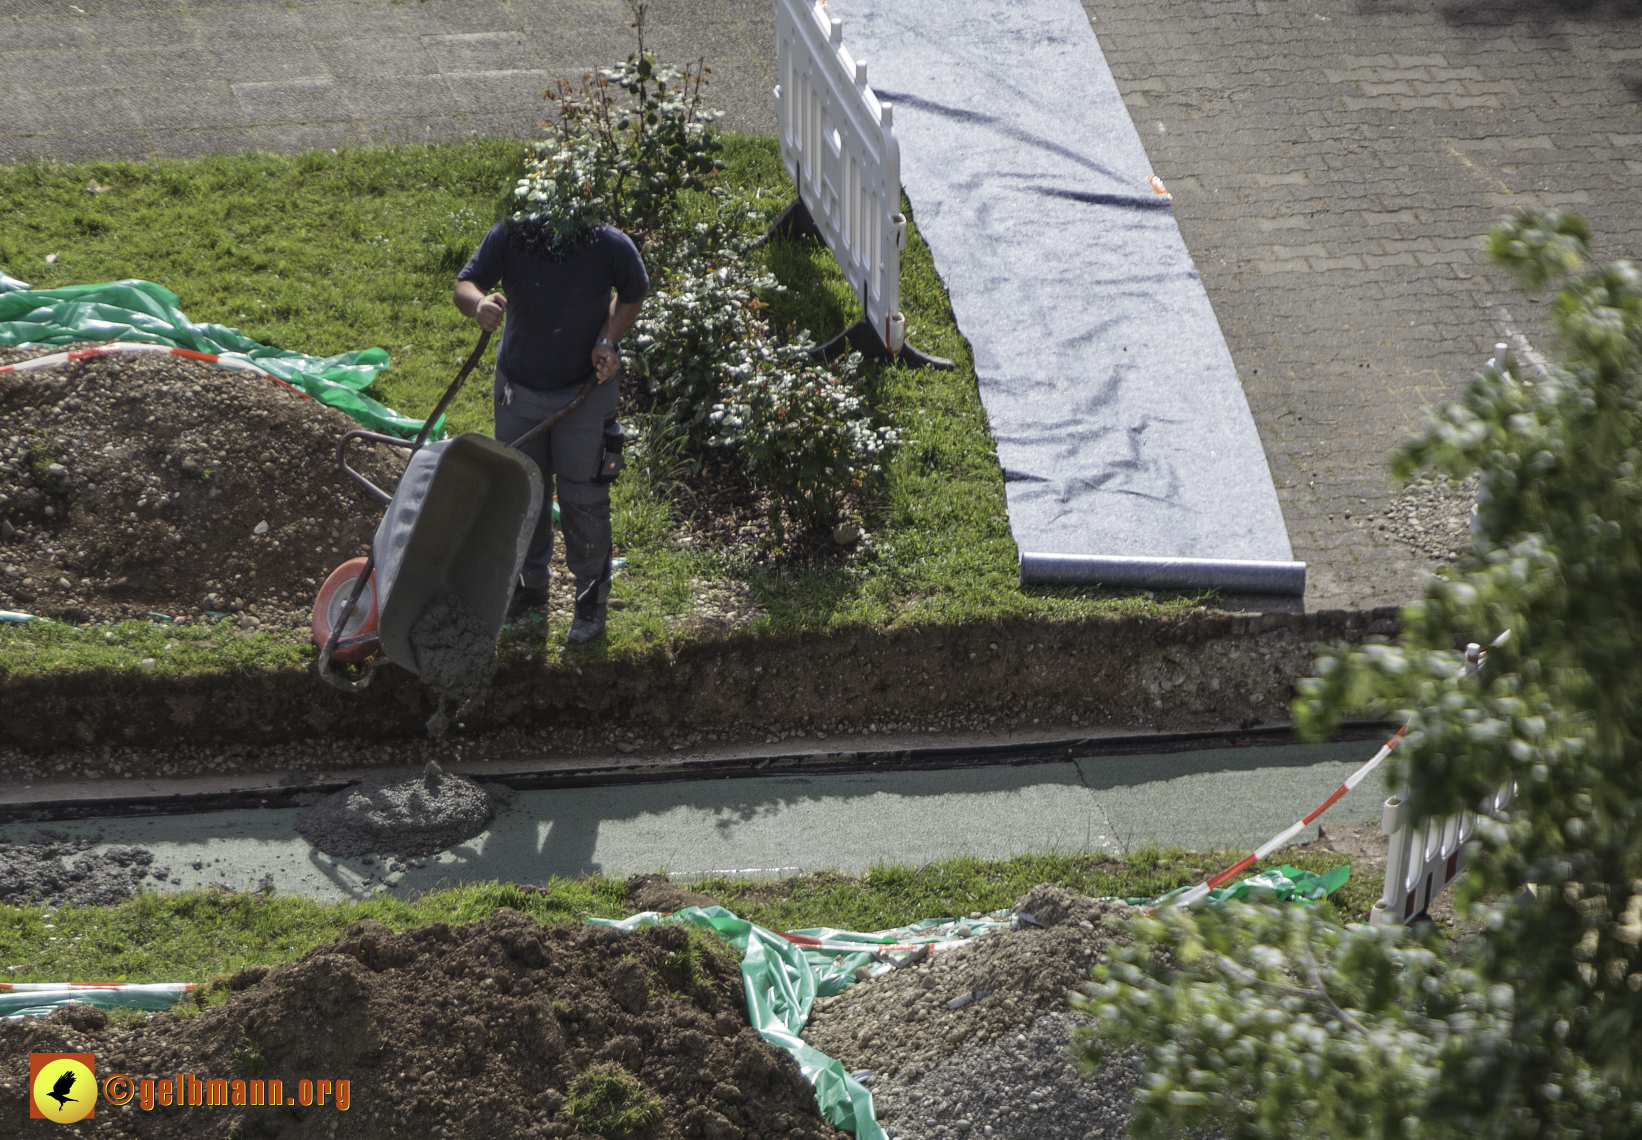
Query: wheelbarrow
<point>459,523</point>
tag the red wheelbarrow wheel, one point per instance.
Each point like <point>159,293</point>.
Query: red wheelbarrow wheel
<point>359,639</point>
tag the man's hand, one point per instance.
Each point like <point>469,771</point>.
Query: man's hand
<point>606,359</point>
<point>487,311</point>
<point>606,356</point>
<point>490,312</point>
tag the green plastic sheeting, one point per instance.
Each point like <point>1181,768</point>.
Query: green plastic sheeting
<point>144,311</point>
<point>39,1003</point>
<point>1284,884</point>
<point>781,987</point>
<point>782,978</point>
<point>1276,884</point>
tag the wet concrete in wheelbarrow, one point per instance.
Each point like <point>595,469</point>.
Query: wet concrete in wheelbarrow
<point>774,825</point>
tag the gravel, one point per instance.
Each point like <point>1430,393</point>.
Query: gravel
<point>57,868</point>
<point>1025,1085</point>
<point>977,1042</point>
<point>1431,517</point>
<point>401,815</point>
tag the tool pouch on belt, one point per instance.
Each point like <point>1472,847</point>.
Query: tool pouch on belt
<point>611,462</point>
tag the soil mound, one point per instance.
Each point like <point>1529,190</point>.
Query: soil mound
<point>401,815</point>
<point>138,484</point>
<point>499,1028</point>
<point>659,893</point>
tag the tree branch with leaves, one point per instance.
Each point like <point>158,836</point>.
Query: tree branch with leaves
<point>1276,1023</point>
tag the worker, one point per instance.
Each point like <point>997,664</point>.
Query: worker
<point>567,304</point>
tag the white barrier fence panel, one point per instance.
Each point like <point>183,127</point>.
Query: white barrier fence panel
<point>1421,861</point>
<point>838,143</point>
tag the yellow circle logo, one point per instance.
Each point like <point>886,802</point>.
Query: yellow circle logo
<point>65,1090</point>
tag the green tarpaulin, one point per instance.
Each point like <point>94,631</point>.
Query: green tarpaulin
<point>144,311</point>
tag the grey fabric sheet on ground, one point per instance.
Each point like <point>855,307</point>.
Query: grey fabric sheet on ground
<point>1119,417</point>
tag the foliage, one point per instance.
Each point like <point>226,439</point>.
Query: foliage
<point>615,159</point>
<point>702,307</point>
<point>803,428</point>
<point>1530,1028</point>
<point>330,252</point>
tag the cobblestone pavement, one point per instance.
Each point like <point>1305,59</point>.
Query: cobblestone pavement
<point>1334,163</point>
<point>132,79</point>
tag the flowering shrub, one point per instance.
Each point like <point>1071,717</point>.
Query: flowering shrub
<point>803,429</point>
<point>621,161</point>
<point>702,309</point>
<point>624,145</point>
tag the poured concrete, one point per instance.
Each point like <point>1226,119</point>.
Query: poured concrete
<point>769,826</point>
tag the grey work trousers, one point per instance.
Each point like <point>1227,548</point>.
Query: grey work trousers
<point>569,456</point>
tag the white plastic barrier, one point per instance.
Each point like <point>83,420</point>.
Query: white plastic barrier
<point>838,144</point>
<point>1421,861</point>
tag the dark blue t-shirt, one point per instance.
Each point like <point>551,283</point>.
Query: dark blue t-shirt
<point>556,309</point>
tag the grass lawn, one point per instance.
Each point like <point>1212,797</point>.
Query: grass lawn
<point>200,934</point>
<point>324,253</point>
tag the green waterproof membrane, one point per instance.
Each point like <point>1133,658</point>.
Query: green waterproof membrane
<point>146,312</point>
<point>783,978</point>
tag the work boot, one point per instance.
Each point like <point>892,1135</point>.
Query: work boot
<point>525,598</point>
<point>589,621</point>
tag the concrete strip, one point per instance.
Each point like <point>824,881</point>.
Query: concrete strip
<point>772,826</point>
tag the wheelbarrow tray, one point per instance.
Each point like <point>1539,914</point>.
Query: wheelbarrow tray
<point>460,522</point>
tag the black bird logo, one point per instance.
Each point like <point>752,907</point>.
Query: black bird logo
<point>59,1091</point>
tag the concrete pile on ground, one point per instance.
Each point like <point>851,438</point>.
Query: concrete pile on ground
<point>499,1028</point>
<point>400,815</point>
<point>975,1042</point>
<point>57,869</point>
<point>132,485</point>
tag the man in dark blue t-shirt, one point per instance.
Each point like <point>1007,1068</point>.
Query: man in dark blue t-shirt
<point>566,311</point>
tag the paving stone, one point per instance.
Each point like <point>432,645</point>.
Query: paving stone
<point>1434,123</point>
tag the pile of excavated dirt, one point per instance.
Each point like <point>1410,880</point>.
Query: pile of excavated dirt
<point>499,1028</point>
<point>401,815</point>
<point>57,868</point>
<point>976,1041</point>
<point>999,983</point>
<point>139,484</point>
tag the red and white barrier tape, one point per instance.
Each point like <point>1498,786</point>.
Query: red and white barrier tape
<point>119,347</point>
<point>121,987</point>
<point>1282,837</point>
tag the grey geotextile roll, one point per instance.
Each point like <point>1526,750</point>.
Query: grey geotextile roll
<point>1120,421</point>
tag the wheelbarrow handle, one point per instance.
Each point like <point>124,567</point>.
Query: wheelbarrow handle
<point>553,420</point>
<point>455,387</point>
<point>372,489</point>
